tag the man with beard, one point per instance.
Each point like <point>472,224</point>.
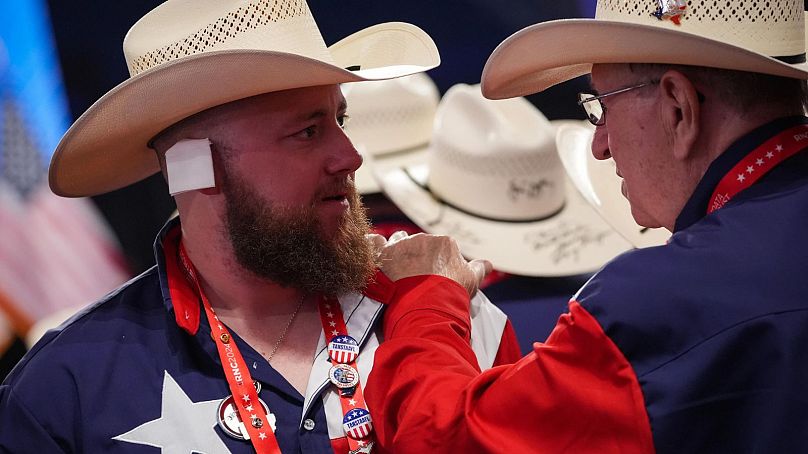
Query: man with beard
<point>257,329</point>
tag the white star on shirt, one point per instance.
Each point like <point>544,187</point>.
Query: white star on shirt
<point>352,402</point>
<point>741,177</point>
<point>195,421</point>
<point>759,162</point>
<point>249,407</point>
<point>262,435</point>
<point>770,155</point>
<point>330,314</point>
<point>334,332</point>
<point>245,398</point>
<point>360,443</point>
<point>750,169</point>
<point>779,148</point>
<point>332,324</point>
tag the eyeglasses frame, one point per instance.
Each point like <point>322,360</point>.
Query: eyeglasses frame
<point>597,98</point>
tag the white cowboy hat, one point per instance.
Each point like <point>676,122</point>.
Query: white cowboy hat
<point>495,183</point>
<point>755,36</point>
<point>390,123</point>
<point>186,56</point>
<point>599,184</point>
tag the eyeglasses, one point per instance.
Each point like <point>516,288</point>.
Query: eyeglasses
<point>595,110</point>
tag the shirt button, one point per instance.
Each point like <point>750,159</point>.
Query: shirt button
<point>308,424</point>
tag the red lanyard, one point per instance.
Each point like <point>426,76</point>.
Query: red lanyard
<point>757,163</point>
<point>244,393</point>
<point>343,350</point>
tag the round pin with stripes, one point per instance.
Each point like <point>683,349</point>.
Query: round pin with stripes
<point>343,376</point>
<point>343,349</point>
<point>357,423</point>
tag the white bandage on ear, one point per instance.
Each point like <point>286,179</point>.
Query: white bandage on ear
<point>189,165</point>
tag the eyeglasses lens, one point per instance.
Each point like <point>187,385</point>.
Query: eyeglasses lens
<point>592,107</point>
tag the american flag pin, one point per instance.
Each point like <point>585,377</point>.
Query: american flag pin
<point>672,10</point>
<point>343,349</point>
<point>357,423</point>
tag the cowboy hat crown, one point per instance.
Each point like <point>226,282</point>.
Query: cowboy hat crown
<point>390,123</point>
<point>753,35</point>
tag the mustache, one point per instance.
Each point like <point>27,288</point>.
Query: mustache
<point>345,188</point>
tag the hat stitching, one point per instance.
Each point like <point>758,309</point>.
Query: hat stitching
<point>444,204</point>
<point>254,15</point>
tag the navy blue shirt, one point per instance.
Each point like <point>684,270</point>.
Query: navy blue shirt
<point>123,377</point>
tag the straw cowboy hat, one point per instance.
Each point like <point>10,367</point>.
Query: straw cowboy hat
<point>390,123</point>
<point>186,56</point>
<point>598,183</point>
<point>755,36</point>
<point>494,182</point>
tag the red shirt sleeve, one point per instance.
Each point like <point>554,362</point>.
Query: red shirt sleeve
<point>509,351</point>
<point>574,393</point>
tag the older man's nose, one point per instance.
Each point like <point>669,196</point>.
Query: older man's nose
<point>600,143</point>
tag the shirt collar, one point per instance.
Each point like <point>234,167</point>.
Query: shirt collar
<point>696,207</point>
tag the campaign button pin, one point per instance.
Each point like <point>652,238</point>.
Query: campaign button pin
<point>343,349</point>
<point>343,376</point>
<point>357,423</point>
<point>230,422</point>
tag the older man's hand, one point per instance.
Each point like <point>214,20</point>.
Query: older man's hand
<point>404,256</point>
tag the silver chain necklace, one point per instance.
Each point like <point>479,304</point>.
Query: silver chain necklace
<point>285,330</point>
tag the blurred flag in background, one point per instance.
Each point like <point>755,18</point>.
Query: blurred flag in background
<point>56,254</point>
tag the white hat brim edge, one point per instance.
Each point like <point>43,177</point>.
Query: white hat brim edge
<point>365,179</point>
<point>599,185</point>
<point>567,48</point>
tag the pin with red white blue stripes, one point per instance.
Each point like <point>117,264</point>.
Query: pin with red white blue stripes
<point>343,349</point>
<point>357,423</point>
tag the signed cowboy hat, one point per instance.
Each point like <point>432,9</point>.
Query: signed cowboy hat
<point>390,123</point>
<point>186,56</point>
<point>599,184</point>
<point>494,182</point>
<point>755,36</point>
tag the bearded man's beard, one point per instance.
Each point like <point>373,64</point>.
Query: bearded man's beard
<point>288,245</point>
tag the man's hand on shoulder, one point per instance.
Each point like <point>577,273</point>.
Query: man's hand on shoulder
<point>404,256</point>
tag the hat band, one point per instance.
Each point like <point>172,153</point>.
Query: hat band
<point>443,202</point>
<point>792,59</point>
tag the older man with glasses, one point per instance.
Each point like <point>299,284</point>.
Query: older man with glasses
<point>700,345</point>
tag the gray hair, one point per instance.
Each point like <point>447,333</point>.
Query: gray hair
<point>743,91</point>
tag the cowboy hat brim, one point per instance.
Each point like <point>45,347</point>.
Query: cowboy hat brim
<point>542,55</point>
<point>106,148</point>
<point>364,176</point>
<point>598,183</point>
<point>573,241</point>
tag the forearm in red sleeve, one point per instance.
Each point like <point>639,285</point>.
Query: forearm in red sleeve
<point>574,393</point>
